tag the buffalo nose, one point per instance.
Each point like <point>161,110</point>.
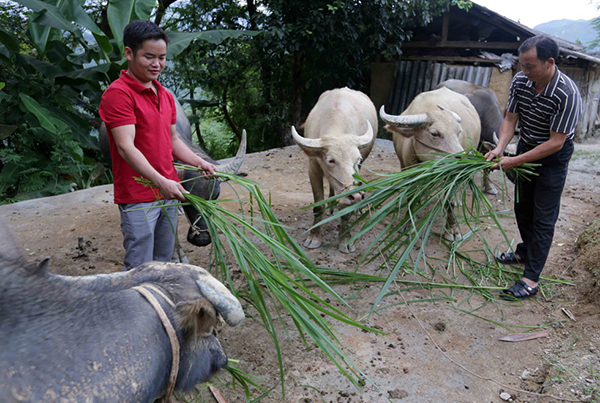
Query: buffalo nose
<point>355,197</point>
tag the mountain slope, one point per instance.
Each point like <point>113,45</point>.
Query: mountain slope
<point>580,31</point>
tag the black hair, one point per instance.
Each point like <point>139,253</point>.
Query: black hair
<point>136,32</point>
<point>545,46</point>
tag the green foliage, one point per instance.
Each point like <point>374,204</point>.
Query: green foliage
<point>462,4</point>
<point>596,27</point>
<point>218,140</point>
<point>271,81</point>
<point>45,145</point>
<point>55,62</point>
<point>265,83</point>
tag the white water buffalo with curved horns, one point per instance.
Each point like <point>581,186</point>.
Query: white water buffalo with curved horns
<point>131,336</point>
<point>339,134</point>
<point>439,121</point>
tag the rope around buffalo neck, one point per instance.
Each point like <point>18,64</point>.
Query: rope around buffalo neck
<point>144,291</point>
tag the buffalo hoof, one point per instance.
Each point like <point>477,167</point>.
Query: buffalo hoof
<point>346,248</point>
<point>491,190</point>
<point>198,238</point>
<point>179,256</point>
<point>452,236</point>
<point>313,243</point>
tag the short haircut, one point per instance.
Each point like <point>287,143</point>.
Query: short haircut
<point>545,46</point>
<point>136,32</point>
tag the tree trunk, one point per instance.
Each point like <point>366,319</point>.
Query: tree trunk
<point>251,14</point>
<point>232,125</point>
<point>298,87</point>
<point>297,92</point>
<point>201,142</point>
<point>161,10</point>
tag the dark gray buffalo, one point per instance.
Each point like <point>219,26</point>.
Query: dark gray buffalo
<point>490,113</point>
<point>194,181</point>
<point>98,339</point>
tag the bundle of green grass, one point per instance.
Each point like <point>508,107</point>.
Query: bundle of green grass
<point>404,208</point>
<point>278,274</point>
<point>405,203</point>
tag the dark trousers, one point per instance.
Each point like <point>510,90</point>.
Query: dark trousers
<point>537,204</point>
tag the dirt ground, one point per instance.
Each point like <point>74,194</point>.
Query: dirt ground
<point>80,231</point>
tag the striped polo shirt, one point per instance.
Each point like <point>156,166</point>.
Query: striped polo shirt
<point>556,109</point>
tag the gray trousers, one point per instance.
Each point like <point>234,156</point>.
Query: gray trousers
<point>148,233</point>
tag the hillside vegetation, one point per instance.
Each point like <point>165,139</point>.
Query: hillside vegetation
<point>579,31</point>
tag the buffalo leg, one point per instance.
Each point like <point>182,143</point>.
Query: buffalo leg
<point>344,246</point>
<point>451,231</point>
<point>315,173</point>
<point>178,253</point>
<point>198,234</point>
<point>488,186</point>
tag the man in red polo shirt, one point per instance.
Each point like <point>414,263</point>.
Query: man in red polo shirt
<point>140,117</point>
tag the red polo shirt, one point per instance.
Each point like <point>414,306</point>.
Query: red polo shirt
<point>127,102</point>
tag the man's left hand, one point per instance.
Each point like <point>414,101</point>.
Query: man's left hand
<point>209,169</point>
<point>507,163</point>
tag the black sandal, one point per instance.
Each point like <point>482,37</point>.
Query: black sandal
<point>519,290</point>
<point>509,258</point>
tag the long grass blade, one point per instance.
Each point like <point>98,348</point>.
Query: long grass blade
<point>284,279</point>
<point>407,204</point>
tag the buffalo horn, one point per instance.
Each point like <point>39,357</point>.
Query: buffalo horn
<point>366,138</point>
<point>403,120</point>
<point>314,144</point>
<point>224,302</point>
<point>454,115</point>
<point>233,166</point>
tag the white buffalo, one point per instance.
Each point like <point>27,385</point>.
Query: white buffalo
<point>339,134</point>
<point>439,121</point>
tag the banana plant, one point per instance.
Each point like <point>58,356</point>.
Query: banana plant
<point>73,62</point>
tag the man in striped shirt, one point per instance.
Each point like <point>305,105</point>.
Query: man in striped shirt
<point>547,105</point>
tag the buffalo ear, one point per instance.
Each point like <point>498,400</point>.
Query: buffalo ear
<point>196,318</point>
<point>42,266</point>
<point>406,132</point>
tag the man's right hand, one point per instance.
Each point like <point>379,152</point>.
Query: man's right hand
<point>494,154</point>
<point>170,189</point>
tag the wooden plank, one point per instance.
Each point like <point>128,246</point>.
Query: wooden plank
<point>397,94</point>
<point>412,85</point>
<point>501,22</point>
<point>421,77</point>
<point>452,59</point>
<point>461,44</point>
<point>437,75</point>
<point>445,23</point>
